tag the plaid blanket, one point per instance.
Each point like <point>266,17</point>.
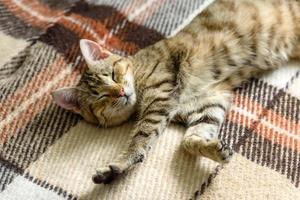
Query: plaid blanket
<point>49,153</point>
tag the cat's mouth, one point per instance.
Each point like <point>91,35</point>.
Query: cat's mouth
<point>126,99</point>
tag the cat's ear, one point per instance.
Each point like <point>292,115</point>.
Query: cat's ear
<point>67,98</point>
<point>92,52</point>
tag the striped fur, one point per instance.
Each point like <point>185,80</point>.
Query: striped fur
<point>189,77</point>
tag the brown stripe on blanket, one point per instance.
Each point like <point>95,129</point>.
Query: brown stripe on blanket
<point>10,67</point>
<point>96,12</point>
<point>38,57</point>
<point>20,29</point>
<point>277,114</point>
<point>267,153</point>
<point>206,183</point>
<point>289,108</point>
<point>40,7</point>
<point>30,141</point>
<point>45,76</point>
<point>23,115</point>
<point>119,37</point>
<point>58,4</point>
<point>58,190</point>
<point>8,172</point>
<point>281,135</point>
<point>132,32</point>
<point>266,129</point>
<point>41,16</point>
<point>257,90</point>
<point>253,94</point>
<point>96,30</point>
<point>263,151</point>
<point>140,35</point>
<point>127,31</point>
<point>230,132</point>
<point>271,118</point>
<point>62,40</point>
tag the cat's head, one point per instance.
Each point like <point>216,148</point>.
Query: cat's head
<point>106,93</point>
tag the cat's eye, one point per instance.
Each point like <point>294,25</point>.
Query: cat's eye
<point>105,74</point>
<point>103,96</point>
<point>95,92</point>
<point>113,76</point>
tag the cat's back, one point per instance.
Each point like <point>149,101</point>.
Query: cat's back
<point>227,43</point>
<point>245,16</point>
<point>231,36</point>
<point>232,40</point>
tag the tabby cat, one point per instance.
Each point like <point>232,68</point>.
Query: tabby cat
<point>187,78</point>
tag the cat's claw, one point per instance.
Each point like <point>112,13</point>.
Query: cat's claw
<point>224,152</point>
<point>107,174</point>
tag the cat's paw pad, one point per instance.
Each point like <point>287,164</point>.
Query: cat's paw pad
<point>107,174</point>
<point>213,149</point>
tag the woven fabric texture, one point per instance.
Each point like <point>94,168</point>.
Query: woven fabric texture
<point>48,153</point>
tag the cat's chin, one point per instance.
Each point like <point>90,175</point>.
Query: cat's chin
<point>122,114</point>
<point>130,100</point>
<point>119,117</point>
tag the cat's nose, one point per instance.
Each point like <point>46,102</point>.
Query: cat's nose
<point>122,92</point>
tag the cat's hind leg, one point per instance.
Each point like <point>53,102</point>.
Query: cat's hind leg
<point>203,125</point>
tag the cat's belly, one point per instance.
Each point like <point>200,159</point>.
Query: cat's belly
<point>188,101</point>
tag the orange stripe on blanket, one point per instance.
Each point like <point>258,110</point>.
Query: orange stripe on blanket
<point>264,130</point>
<point>35,108</point>
<point>42,8</point>
<point>250,105</point>
<point>269,115</point>
<point>37,105</point>
<point>28,17</point>
<point>99,28</point>
<point>78,28</point>
<point>24,93</point>
<point>280,138</point>
<point>239,118</point>
<point>45,75</point>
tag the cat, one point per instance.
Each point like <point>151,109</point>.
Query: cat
<point>187,78</point>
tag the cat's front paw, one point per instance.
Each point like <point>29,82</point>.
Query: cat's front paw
<point>107,174</point>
